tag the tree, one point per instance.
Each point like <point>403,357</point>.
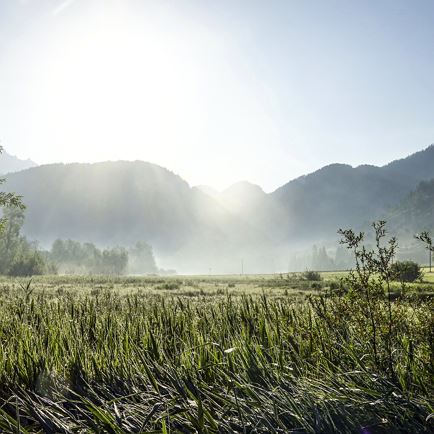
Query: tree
<point>10,239</point>
<point>18,256</point>
<point>114,261</point>
<point>141,259</point>
<point>8,200</point>
<point>406,271</point>
<point>74,257</point>
<point>427,240</point>
<point>370,283</point>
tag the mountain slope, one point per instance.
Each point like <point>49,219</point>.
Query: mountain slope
<point>415,213</point>
<point>10,163</point>
<point>124,202</point>
<point>341,196</point>
<point>105,202</point>
<point>411,170</point>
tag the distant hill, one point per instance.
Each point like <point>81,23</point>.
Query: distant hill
<point>243,196</point>
<point>106,202</point>
<point>210,191</point>
<point>198,229</point>
<point>342,196</point>
<point>123,202</point>
<point>10,163</point>
<point>415,212</point>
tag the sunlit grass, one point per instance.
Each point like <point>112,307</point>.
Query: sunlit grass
<point>204,354</point>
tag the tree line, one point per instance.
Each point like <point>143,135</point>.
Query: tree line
<point>21,257</point>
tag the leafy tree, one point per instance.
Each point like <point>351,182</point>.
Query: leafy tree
<point>427,240</point>
<point>8,200</point>
<point>114,261</point>
<point>27,263</point>
<point>141,259</point>
<point>406,271</point>
<point>10,238</point>
<point>312,276</point>
<point>74,257</point>
<point>18,256</point>
<point>369,284</point>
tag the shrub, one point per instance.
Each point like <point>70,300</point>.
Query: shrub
<point>312,276</point>
<point>27,264</point>
<point>334,285</point>
<point>406,271</point>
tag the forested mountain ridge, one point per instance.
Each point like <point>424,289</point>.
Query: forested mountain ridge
<point>415,213</point>
<point>104,202</point>
<point>340,195</point>
<point>120,203</point>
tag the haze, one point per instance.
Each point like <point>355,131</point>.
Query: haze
<point>217,91</point>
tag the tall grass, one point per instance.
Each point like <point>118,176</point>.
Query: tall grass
<point>103,361</point>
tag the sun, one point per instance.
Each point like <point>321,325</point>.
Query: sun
<point>113,79</point>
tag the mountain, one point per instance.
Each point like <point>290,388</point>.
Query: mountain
<point>415,212</point>
<point>339,195</point>
<point>206,189</point>
<point>124,202</point>
<point>412,169</point>
<point>10,163</point>
<point>107,203</point>
<point>242,196</point>
<point>195,229</point>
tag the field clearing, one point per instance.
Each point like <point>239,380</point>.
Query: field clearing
<point>272,285</point>
<point>210,354</point>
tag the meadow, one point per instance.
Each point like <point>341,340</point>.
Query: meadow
<point>213,354</point>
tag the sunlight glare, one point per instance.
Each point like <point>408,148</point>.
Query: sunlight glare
<point>116,82</point>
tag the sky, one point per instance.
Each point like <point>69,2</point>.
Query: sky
<point>217,91</point>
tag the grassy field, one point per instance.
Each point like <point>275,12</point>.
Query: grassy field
<point>208,354</point>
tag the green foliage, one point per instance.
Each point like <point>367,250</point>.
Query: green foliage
<point>27,263</point>
<point>8,200</point>
<point>113,261</point>
<point>141,259</point>
<point>425,238</point>
<point>78,355</point>
<point>85,258</point>
<point>73,257</point>
<point>312,276</point>
<point>369,292</point>
<point>19,257</point>
<point>406,271</point>
<point>416,210</point>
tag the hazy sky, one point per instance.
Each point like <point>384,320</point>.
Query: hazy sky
<point>217,91</point>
